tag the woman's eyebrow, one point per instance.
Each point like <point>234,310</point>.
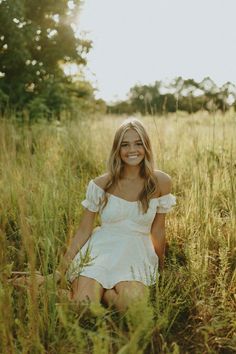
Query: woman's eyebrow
<point>136,141</point>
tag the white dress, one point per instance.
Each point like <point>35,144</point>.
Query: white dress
<point>121,248</point>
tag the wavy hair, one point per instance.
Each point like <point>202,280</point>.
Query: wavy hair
<point>115,164</point>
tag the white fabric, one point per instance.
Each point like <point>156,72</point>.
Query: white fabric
<point>121,248</point>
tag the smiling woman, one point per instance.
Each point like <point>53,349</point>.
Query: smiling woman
<point>132,199</point>
<point>127,250</point>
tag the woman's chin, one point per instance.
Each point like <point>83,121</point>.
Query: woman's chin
<point>133,163</point>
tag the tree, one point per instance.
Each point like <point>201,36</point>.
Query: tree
<point>37,38</point>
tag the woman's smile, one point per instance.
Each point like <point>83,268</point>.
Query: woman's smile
<point>132,156</point>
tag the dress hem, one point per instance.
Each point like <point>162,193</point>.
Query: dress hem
<point>116,282</point>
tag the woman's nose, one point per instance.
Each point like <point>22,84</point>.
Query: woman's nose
<point>132,148</point>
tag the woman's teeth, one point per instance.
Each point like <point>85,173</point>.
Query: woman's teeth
<point>132,156</point>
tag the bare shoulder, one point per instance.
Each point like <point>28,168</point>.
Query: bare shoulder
<point>102,180</point>
<point>164,182</point>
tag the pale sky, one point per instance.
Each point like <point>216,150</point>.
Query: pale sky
<point>141,41</point>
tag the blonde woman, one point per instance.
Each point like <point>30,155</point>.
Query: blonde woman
<point>126,251</point>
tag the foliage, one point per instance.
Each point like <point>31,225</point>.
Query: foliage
<point>183,95</point>
<point>37,39</point>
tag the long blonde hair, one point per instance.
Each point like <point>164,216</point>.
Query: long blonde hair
<point>115,164</point>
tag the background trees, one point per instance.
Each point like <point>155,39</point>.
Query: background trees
<point>37,39</point>
<point>179,94</point>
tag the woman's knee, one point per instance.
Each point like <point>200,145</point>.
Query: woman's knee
<point>131,291</point>
<point>86,289</point>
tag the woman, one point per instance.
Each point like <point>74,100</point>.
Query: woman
<point>132,199</point>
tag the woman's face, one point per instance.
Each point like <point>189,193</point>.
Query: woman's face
<point>132,151</point>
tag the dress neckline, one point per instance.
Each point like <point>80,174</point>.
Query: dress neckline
<point>125,200</point>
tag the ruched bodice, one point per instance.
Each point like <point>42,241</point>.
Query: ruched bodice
<point>121,249</point>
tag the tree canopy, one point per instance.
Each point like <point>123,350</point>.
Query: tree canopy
<point>37,38</point>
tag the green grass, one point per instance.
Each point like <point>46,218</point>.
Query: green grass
<point>44,169</point>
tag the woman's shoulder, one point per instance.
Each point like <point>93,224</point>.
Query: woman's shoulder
<point>101,181</point>
<point>164,182</point>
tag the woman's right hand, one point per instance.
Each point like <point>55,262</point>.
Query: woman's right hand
<point>27,280</point>
<point>37,279</point>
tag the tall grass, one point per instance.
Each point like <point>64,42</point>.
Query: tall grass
<point>44,170</point>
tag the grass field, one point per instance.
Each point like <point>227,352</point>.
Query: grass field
<point>44,169</point>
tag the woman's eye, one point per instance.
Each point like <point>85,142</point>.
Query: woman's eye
<point>126,144</point>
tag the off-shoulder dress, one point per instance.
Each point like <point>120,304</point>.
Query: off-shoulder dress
<point>121,248</point>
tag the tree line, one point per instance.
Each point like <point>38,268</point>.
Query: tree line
<point>180,94</point>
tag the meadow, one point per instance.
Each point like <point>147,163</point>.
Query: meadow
<point>44,169</point>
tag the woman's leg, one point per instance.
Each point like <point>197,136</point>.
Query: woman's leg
<point>85,289</point>
<point>125,293</point>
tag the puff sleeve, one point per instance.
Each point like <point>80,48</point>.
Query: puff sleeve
<point>94,196</point>
<point>165,203</point>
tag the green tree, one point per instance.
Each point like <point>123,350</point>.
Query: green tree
<point>37,38</point>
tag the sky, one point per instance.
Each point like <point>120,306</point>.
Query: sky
<point>141,41</point>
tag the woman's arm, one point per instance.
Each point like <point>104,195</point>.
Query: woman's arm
<point>158,237</point>
<point>158,225</point>
<point>82,235</point>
